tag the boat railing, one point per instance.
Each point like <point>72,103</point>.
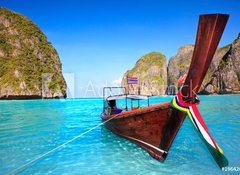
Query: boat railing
<point>109,101</point>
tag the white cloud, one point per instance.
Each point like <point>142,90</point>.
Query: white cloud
<point>117,82</point>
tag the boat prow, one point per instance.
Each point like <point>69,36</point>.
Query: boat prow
<point>154,127</point>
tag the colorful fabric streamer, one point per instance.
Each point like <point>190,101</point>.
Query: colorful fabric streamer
<point>194,115</point>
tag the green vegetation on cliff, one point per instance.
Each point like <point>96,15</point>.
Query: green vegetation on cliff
<point>25,55</point>
<point>222,75</point>
<point>179,64</point>
<point>151,71</point>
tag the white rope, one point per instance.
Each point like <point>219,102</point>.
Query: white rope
<point>58,147</point>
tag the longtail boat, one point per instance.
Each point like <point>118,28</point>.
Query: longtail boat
<point>154,127</point>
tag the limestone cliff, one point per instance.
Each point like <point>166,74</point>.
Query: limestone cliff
<point>223,75</point>
<point>178,66</point>
<point>29,66</point>
<point>151,70</point>
<point>225,78</point>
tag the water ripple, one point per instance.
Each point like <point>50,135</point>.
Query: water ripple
<point>31,128</point>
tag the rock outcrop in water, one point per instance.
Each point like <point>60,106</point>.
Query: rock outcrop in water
<point>178,65</point>
<point>223,75</point>
<point>29,66</point>
<point>151,70</point>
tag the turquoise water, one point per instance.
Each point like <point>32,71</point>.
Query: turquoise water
<point>31,128</point>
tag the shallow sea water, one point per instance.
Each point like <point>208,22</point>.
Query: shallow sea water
<point>31,128</point>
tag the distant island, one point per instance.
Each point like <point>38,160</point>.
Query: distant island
<point>157,78</point>
<point>30,67</point>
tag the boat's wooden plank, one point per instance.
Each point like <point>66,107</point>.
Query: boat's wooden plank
<point>210,29</point>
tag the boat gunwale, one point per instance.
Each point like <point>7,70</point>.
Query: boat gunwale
<point>165,105</point>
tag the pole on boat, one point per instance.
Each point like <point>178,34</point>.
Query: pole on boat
<point>125,90</point>
<point>139,92</point>
<point>103,98</point>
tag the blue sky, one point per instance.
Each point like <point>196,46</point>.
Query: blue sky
<point>98,41</point>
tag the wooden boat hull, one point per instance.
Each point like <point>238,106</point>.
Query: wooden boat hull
<point>152,128</point>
